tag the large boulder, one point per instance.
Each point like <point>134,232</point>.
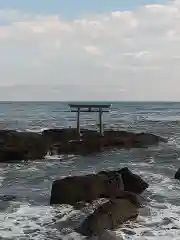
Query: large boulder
<point>109,216</point>
<point>71,190</point>
<point>132,182</point>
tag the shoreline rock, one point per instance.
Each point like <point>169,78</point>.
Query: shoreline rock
<point>108,216</point>
<point>105,184</point>
<point>132,182</point>
<point>20,146</point>
<point>71,190</point>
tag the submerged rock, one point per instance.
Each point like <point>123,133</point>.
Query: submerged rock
<point>109,216</point>
<point>132,182</point>
<point>7,198</point>
<point>71,190</point>
<point>177,174</point>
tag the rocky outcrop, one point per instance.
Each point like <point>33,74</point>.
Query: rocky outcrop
<point>108,216</point>
<point>91,142</point>
<point>132,182</point>
<point>71,190</point>
<point>31,146</point>
<point>177,174</point>
<point>105,184</point>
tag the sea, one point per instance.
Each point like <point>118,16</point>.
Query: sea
<point>29,216</point>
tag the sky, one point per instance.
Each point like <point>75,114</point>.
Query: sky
<point>90,50</point>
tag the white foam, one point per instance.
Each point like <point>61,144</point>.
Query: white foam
<point>40,130</point>
<point>2,177</point>
<point>34,222</point>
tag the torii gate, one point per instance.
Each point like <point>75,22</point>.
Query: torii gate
<point>100,108</point>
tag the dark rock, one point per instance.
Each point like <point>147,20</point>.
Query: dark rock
<point>22,146</point>
<point>177,174</point>
<point>11,155</point>
<point>7,198</point>
<point>132,182</point>
<point>107,235</point>
<point>129,139</point>
<point>108,216</point>
<point>32,146</point>
<point>60,135</point>
<point>148,139</point>
<point>71,190</point>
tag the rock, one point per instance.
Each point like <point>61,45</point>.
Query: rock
<point>7,198</point>
<point>148,139</point>
<point>109,215</point>
<point>129,139</point>
<point>107,235</point>
<point>79,147</point>
<point>67,141</point>
<point>22,146</point>
<point>71,190</point>
<point>11,155</point>
<point>60,135</point>
<point>177,174</point>
<point>132,182</point>
<point>32,146</point>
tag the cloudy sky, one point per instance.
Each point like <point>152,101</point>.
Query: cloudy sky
<point>90,50</point>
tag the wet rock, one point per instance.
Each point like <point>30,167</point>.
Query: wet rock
<point>148,139</point>
<point>79,147</point>
<point>71,190</point>
<point>60,135</point>
<point>177,174</point>
<point>129,139</point>
<point>107,235</point>
<point>132,182</point>
<point>7,198</point>
<point>22,146</point>
<point>11,155</point>
<point>32,146</point>
<point>109,215</point>
<point>91,142</point>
